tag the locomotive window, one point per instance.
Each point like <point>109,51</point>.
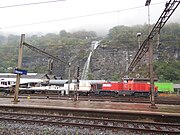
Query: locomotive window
<point>125,81</point>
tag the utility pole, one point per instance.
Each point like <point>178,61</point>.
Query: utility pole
<point>19,67</point>
<point>158,36</point>
<point>151,74</point>
<point>69,79</point>
<point>127,64</point>
<point>50,66</point>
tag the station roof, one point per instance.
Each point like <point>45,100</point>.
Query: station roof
<point>29,75</point>
<point>176,86</point>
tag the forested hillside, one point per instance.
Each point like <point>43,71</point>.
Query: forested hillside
<point>109,61</point>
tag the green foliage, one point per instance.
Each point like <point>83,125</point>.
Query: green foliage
<point>50,43</point>
<point>170,35</point>
<point>166,66</point>
<point>124,36</point>
<point>115,77</point>
<point>76,38</point>
<point>13,40</point>
<point>2,39</point>
<point>37,69</point>
<point>168,71</point>
<point>90,76</point>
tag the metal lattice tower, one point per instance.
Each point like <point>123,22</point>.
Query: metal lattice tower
<point>170,7</point>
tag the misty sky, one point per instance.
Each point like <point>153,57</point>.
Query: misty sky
<point>72,15</point>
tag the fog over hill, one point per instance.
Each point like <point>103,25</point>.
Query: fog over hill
<point>70,15</point>
<point>108,61</point>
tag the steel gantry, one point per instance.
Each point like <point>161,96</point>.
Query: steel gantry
<point>23,43</point>
<point>146,46</point>
<point>170,7</point>
<point>52,57</point>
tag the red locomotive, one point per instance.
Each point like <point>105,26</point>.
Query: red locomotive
<point>126,88</point>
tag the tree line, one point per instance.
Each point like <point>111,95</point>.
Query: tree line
<point>166,54</point>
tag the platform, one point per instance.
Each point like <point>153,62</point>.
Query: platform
<point>162,109</point>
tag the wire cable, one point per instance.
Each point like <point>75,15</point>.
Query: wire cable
<point>28,4</point>
<point>78,17</point>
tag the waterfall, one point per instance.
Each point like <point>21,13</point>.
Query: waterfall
<point>84,75</point>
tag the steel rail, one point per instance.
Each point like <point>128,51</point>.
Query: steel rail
<point>91,123</point>
<point>159,100</point>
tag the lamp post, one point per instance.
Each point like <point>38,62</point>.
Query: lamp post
<point>139,39</point>
<point>150,61</point>
<point>147,4</point>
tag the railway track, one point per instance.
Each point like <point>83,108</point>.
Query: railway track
<point>137,127</point>
<point>158,100</point>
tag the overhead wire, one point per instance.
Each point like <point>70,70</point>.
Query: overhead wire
<point>28,4</point>
<point>77,17</point>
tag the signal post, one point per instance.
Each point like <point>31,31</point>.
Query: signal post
<point>77,85</point>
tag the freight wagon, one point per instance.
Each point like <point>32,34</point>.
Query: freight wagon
<point>165,87</point>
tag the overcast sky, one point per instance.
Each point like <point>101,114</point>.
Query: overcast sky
<point>72,15</point>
